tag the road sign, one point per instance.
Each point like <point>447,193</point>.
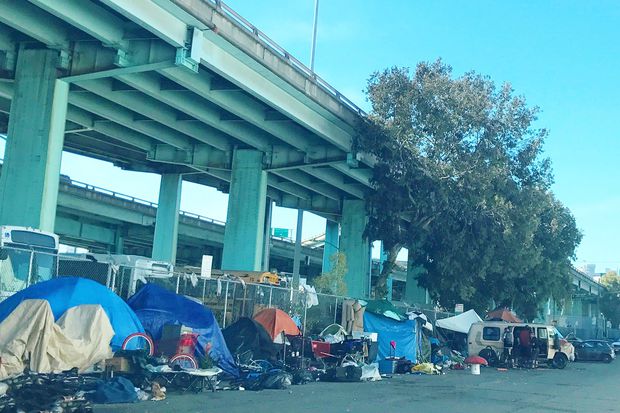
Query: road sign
<point>458,308</point>
<point>281,232</point>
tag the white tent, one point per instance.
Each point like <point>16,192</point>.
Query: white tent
<point>459,323</point>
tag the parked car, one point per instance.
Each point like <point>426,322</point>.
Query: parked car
<point>594,350</point>
<point>616,346</point>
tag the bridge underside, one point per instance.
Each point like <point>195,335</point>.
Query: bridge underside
<point>177,88</point>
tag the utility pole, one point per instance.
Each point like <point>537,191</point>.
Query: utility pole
<point>314,27</point>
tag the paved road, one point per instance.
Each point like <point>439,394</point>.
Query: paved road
<point>581,387</point>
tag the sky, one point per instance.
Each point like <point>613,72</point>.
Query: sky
<point>563,56</point>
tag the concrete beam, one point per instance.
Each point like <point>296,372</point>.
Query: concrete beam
<point>199,156</point>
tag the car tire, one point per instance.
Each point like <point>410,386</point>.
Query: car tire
<point>606,358</point>
<point>559,361</point>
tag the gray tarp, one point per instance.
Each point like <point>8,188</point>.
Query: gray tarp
<point>30,337</point>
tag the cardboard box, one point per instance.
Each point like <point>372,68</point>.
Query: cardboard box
<point>119,365</point>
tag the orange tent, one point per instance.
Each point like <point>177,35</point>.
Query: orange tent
<point>503,314</point>
<point>276,321</point>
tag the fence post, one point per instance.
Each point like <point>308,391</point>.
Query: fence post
<point>30,269</point>
<point>204,289</point>
<point>225,305</point>
<point>335,309</point>
<point>178,281</point>
<point>270,295</point>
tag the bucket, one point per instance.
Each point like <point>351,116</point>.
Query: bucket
<point>475,369</point>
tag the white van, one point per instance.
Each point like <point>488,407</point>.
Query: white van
<point>553,348</point>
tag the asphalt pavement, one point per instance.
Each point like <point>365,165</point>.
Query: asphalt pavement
<point>581,387</point>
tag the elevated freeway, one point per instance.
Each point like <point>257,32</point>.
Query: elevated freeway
<point>102,220</point>
<point>187,89</point>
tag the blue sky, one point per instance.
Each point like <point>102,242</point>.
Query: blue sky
<point>563,56</point>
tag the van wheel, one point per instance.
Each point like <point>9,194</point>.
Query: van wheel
<point>559,361</point>
<point>607,358</point>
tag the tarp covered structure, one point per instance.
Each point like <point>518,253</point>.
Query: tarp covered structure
<point>503,314</point>
<point>156,307</point>
<point>404,333</point>
<point>276,322</point>
<point>31,337</point>
<point>248,339</point>
<point>459,323</point>
<point>64,293</point>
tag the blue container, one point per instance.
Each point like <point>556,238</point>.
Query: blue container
<point>387,366</point>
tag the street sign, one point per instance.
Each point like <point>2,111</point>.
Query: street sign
<point>281,232</point>
<point>458,308</point>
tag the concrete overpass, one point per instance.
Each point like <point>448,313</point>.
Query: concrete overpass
<point>107,221</point>
<point>187,89</point>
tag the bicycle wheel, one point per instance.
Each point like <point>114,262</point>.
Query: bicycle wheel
<point>139,341</point>
<point>185,361</point>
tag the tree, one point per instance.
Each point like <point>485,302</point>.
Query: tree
<point>332,282</point>
<point>610,299</point>
<point>469,191</point>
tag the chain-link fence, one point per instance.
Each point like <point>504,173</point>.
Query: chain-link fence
<point>229,298</point>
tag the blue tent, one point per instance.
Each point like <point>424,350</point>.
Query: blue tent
<point>404,333</point>
<point>66,292</point>
<point>156,307</point>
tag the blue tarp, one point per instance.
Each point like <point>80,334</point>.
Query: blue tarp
<point>66,292</point>
<point>156,307</point>
<point>402,332</point>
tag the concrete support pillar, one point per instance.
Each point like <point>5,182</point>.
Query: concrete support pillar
<point>119,241</point>
<point>414,294</point>
<point>356,248</point>
<point>167,223</point>
<point>332,244</point>
<point>267,235</point>
<point>31,170</point>
<point>243,237</point>
<point>297,251</point>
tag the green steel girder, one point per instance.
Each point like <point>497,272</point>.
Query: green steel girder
<point>229,66</point>
<point>8,50</point>
<point>199,156</point>
<point>86,119</point>
<point>153,18</point>
<point>153,109</point>
<point>316,203</point>
<point>306,181</point>
<point>91,60</point>
<point>199,109</point>
<point>243,106</point>
<point>335,179</point>
<point>90,18</point>
<point>116,113</point>
<point>34,22</point>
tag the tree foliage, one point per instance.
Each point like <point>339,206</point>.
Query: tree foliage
<point>610,299</point>
<point>461,181</point>
<point>332,282</point>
